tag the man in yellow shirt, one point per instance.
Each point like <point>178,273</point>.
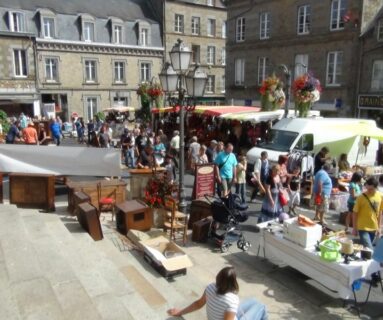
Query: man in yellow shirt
<point>367,213</point>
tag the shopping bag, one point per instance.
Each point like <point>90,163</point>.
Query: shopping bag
<point>283,197</point>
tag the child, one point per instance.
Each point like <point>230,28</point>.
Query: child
<point>170,170</point>
<point>240,186</point>
<point>295,197</point>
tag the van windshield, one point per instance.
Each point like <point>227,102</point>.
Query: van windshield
<point>280,140</point>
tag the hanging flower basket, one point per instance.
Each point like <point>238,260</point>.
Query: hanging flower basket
<point>306,90</point>
<point>272,95</point>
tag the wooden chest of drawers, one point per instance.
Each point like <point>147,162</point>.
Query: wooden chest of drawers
<point>32,190</point>
<point>133,214</point>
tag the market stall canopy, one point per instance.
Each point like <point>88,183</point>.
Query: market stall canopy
<point>261,116</point>
<point>362,128</point>
<point>119,109</point>
<point>165,110</point>
<point>220,110</point>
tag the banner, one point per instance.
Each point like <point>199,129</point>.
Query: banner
<point>71,161</point>
<point>204,181</point>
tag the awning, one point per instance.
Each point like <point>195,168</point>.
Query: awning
<point>164,110</point>
<point>119,109</point>
<point>220,110</point>
<point>362,128</point>
<point>261,116</point>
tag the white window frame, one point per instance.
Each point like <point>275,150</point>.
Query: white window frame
<point>119,73</point>
<point>144,36</point>
<point>304,19</point>
<point>94,106</point>
<point>196,55</point>
<point>338,10</point>
<point>48,33</point>
<point>240,29</point>
<point>118,33</point>
<point>196,26</point>
<point>148,70</point>
<point>16,21</point>
<point>210,57</point>
<point>239,72</point>
<point>87,35</point>
<point>263,65</point>
<point>223,56</point>
<point>49,74</point>
<point>18,63</point>
<point>377,76</point>
<point>301,64</point>
<point>211,27</point>
<point>223,84</point>
<point>89,65</point>
<point>224,30</point>
<point>334,62</point>
<point>264,25</point>
<point>210,84</point>
<point>380,30</point>
<point>179,21</point>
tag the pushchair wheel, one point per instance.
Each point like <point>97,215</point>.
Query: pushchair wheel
<point>243,245</point>
<point>224,248</point>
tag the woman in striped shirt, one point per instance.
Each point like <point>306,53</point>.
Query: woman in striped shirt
<point>221,298</point>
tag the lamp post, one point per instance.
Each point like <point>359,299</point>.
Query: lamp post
<point>173,77</point>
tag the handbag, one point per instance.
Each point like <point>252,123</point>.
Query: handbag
<point>283,197</point>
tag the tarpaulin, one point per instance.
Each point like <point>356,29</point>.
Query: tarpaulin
<point>81,161</point>
<point>219,110</point>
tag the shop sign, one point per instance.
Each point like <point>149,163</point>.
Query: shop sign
<point>204,181</point>
<point>370,101</point>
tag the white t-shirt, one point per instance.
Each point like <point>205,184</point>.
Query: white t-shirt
<point>217,305</point>
<point>175,142</point>
<point>258,166</point>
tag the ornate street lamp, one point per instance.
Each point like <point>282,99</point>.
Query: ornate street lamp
<point>172,77</point>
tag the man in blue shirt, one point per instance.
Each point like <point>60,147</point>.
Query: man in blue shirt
<point>226,169</point>
<point>56,131</point>
<point>13,133</point>
<point>322,191</point>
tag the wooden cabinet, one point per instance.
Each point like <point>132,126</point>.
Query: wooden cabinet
<point>133,214</point>
<point>32,190</point>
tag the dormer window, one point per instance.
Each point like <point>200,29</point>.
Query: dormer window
<point>16,21</point>
<point>144,35</point>
<point>117,30</point>
<point>48,23</point>
<point>87,28</point>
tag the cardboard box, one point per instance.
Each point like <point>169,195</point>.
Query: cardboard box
<point>165,256</point>
<point>304,236</point>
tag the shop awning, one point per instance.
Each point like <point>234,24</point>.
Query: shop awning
<point>362,128</point>
<point>220,110</point>
<point>164,110</point>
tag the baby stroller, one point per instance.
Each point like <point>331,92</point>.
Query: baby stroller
<point>228,213</point>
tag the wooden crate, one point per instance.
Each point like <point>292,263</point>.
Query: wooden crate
<point>90,188</point>
<point>90,221</point>
<point>32,190</point>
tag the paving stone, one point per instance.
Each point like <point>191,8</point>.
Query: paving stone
<point>111,308</point>
<point>8,305</point>
<point>36,300</point>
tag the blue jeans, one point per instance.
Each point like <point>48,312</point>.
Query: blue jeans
<point>240,188</point>
<point>251,309</point>
<point>367,238</point>
<point>129,155</point>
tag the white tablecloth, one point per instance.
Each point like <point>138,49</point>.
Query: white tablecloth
<point>337,277</point>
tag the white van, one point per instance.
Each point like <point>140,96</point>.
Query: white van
<point>311,134</point>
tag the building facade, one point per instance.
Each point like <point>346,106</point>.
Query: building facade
<point>201,24</point>
<point>321,37</point>
<point>87,56</point>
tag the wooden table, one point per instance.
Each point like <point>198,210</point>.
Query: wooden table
<point>139,179</point>
<point>133,214</point>
<point>90,188</point>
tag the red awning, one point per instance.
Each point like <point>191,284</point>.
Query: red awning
<point>166,109</point>
<point>220,110</point>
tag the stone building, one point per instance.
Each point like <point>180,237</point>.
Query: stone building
<point>370,84</point>
<point>201,24</point>
<point>17,72</point>
<point>319,36</point>
<point>89,55</point>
